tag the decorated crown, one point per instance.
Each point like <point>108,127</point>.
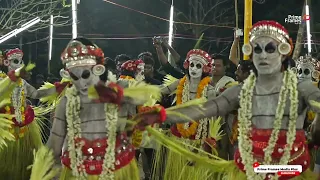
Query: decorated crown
<point>201,56</point>
<point>309,62</point>
<point>78,54</point>
<point>270,29</point>
<point>132,65</point>
<point>14,54</point>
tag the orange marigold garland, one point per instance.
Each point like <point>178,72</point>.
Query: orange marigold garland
<point>126,77</point>
<point>192,130</point>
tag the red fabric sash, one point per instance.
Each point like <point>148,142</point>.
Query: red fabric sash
<point>94,151</point>
<point>260,138</point>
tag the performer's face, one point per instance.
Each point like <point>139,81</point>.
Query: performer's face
<point>15,63</point>
<point>83,78</point>
<point>195,68</point>
<point>305,71</point>
<point>140,73</point>
<point>266,57</point>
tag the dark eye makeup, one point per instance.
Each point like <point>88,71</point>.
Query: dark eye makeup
<point>270,48</point>
<point>199,66</point>
<point>257,49</point>
<point>85,75</point>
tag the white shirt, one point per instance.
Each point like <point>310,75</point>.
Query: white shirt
<point>222,83</point>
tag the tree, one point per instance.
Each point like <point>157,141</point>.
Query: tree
<point>14,13</point>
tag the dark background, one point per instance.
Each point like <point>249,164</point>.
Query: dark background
<point>120,30</point>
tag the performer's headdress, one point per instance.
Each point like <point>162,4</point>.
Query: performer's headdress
<point>270,29</point>
<point>310,63</point>
<point>132,65</point>
<point>13,54</point>
<point>82,52</point>
<point>78,54</point>
<point>199,55</point>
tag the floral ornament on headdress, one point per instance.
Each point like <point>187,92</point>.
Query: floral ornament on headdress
<point>201,56</point>
<point>77,54</point>
<point>271,29</point>
<point>132,65</point>
<point>309,62</point>
<point>11,55</point>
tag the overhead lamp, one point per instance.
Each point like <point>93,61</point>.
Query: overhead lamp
<point>19,30</point>
<point>307,19</point>
<point>50,37</point>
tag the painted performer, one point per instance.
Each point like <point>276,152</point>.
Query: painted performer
<point>273,107</point>
<point>88,131</point>
<point>194,85</point>
<point>26,127</point>
<point>308,70</point>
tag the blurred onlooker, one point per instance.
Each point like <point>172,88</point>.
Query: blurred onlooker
<point>52,79</point>
<point>119,60</point>
<point>152,76</point>
<point>111,65</point>
<point>149,71</point>
<point>39,81</point>
<point>158,42</point>
<point>219,77</point>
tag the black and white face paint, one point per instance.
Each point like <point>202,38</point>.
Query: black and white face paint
<point>15,63</point>
<point>304,71</point>
<point>265,56</point>
<point>140,72</point>
<point>195,68</point>
<point>82,78</point>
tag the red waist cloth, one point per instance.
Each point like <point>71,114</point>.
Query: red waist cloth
<point>94,151</point>
<point>260,138</point>
<point>28,114</point>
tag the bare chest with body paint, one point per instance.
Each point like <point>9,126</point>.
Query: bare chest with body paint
<point>264,107</point>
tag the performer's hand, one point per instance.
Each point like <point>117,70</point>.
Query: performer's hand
<point>111,93</point>
<point>150,116</point>
<point>209,144</point>
<point>14,75</point>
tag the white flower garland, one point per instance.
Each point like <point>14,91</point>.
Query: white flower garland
<point>202,130</point>
<point>16,100</point>
<point>74,132</point>
<point>245,123</point>
<point>110,156</point>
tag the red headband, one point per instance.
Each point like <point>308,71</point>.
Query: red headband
<point>131,65</point>
<point>202,56</point>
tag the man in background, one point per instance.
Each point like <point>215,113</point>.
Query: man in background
<point>219,77</point>
<point>119,60</point>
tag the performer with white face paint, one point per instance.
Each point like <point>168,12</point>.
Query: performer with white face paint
<point>272,112</point>
<point>196,84</point>
<point>26,128</point>
<point>132,69</point>
<point>88,131</point>
<point>306,68</point>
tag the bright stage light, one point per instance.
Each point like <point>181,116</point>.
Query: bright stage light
<point>50,37</point>
<point>19,30</point>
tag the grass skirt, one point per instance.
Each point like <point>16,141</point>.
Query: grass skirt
<point>18,155</point>
<point>170,165</point>
<point>129,172</point>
